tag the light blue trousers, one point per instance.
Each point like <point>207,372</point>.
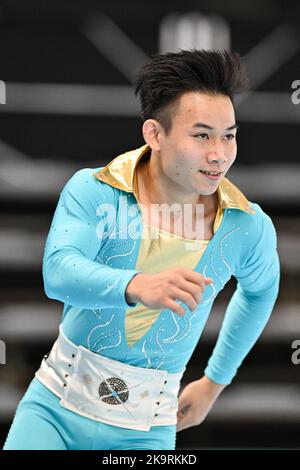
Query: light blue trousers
<point>40,423</point>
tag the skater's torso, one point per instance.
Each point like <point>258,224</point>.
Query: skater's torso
<point>140,336</point>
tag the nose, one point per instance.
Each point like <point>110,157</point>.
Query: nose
<point>216,153</point>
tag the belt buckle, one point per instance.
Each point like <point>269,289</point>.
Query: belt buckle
<point>113,391</point>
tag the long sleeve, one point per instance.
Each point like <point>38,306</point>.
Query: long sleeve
<point>70,272</point>
<point>250,306</point>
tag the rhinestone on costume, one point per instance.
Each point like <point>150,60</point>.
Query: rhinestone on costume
<point>87,379</point>
<point>116,392</point>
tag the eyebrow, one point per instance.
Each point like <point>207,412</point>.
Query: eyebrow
<point>206,126</point>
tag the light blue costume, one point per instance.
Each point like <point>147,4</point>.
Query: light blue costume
<point>89,271</point>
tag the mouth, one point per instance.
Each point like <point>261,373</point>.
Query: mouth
<point>212,175</point>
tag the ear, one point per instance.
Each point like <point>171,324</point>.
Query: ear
<point>152,131</point>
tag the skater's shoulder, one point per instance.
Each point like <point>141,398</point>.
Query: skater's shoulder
<point>85,185</point>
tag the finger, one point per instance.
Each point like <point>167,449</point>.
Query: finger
<point>186,298</point>
<point>180,416</point>
<point>196,278</point>
<point>183,403</point>
<point>182,411</point>
<point>175,307</point>
<point>192,289</point>
<point>184,422</point>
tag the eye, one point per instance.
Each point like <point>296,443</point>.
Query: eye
<point>229,136</point>
<point>202,136</point>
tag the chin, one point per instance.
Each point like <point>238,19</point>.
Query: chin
<point>207,192</point>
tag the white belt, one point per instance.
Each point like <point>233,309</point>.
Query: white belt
<point>109,391</point>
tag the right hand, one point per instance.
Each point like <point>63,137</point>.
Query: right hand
<point>159,291</point>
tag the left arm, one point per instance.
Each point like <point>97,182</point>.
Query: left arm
<point>250,306</point>
<point>246,316</point>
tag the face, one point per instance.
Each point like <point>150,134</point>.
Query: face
<point>202,139</point>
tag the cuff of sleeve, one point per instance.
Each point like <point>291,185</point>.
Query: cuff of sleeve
<point>218,376</point>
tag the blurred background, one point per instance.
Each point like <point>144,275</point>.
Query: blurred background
<point>67,102</point>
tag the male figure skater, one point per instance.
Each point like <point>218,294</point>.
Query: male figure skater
<point>136,293</point>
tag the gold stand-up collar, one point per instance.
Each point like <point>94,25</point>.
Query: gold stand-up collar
<point>120,173</point>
